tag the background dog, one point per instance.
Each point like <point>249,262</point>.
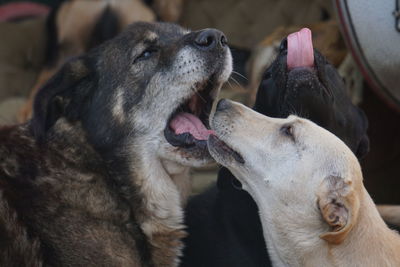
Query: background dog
<point>326,38</point>
<point>74,27</point>
<point>99,174</point>
<point>308,186</point>
<point>223,222</point>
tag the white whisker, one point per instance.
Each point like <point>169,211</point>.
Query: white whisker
<point>241,75</point>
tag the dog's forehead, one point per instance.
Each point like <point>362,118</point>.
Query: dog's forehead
<point>150,32</point>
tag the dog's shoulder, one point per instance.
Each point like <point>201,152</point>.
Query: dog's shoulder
<point>60,184</point>
<point>16,247</point>
<point>17,152</point>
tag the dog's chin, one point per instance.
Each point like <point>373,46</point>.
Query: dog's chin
<point>190,157</point>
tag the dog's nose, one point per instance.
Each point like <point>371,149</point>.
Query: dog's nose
<point>210,39</point>
<point>223,104</point>
<point>283,45</point>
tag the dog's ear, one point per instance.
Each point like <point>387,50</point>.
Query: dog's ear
<point>69,85</point>
<point>339,207</point>
<point>363,146</point>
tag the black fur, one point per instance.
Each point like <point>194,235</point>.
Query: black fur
<point>223,223</point>
<point>240,56</point>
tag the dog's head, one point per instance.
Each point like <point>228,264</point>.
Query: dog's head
<point>317,93</point>
<point>304,179</point>
<point>148,90</point>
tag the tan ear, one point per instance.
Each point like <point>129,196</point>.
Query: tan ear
<point>339,207</point>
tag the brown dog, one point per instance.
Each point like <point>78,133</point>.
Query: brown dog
<point>99,175</point>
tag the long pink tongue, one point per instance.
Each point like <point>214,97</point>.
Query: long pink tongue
<point>300,49</point>
<point>188,123</point>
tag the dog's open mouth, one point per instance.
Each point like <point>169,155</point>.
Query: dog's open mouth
<point>188,126</point>
<point>303,68</point>
<point>222,149</point>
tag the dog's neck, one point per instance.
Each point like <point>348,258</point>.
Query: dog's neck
<point>156,189</point>
<point>369,243</point>
<point>164,186</point>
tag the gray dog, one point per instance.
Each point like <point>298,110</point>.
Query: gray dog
<point>98,176</point>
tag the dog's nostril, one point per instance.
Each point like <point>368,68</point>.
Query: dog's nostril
<point>283,45</point>
<point>205,39</point>
<point>224,41</point>
<point>210,39</point>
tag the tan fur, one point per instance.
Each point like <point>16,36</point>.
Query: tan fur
<point>339,207</point>
<point>308,185</point>
<point>168,10</point>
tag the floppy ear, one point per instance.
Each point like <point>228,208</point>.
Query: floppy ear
<point>69,85</point>
<point>339,207</point>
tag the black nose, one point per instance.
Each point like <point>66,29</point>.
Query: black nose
<point>223,104</point>
<point>209,39</point>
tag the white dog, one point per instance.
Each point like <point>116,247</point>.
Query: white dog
<point>308,186</point>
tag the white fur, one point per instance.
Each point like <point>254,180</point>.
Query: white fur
<point>284,175</point>
<point>164,169</point>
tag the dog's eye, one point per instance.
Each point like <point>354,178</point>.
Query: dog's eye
<point>146,54</point>
<point>287,130</point>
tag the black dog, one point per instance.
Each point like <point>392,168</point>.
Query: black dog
<point>223,222</point>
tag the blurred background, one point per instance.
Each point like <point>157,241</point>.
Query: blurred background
<point>37,37</point>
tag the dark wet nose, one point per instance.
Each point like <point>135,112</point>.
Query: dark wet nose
<point>283,46</point>
<point>210,39</point>
<point>223,104</point>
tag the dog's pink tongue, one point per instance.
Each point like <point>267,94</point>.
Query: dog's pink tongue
<point>300,49</point>
<point>189,123</point>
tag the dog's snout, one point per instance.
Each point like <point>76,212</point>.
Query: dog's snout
<point>210,39</point>
<point>223,104</point>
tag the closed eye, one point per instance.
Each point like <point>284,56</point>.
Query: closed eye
<point>287,130</point>
<point>146,54</point>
